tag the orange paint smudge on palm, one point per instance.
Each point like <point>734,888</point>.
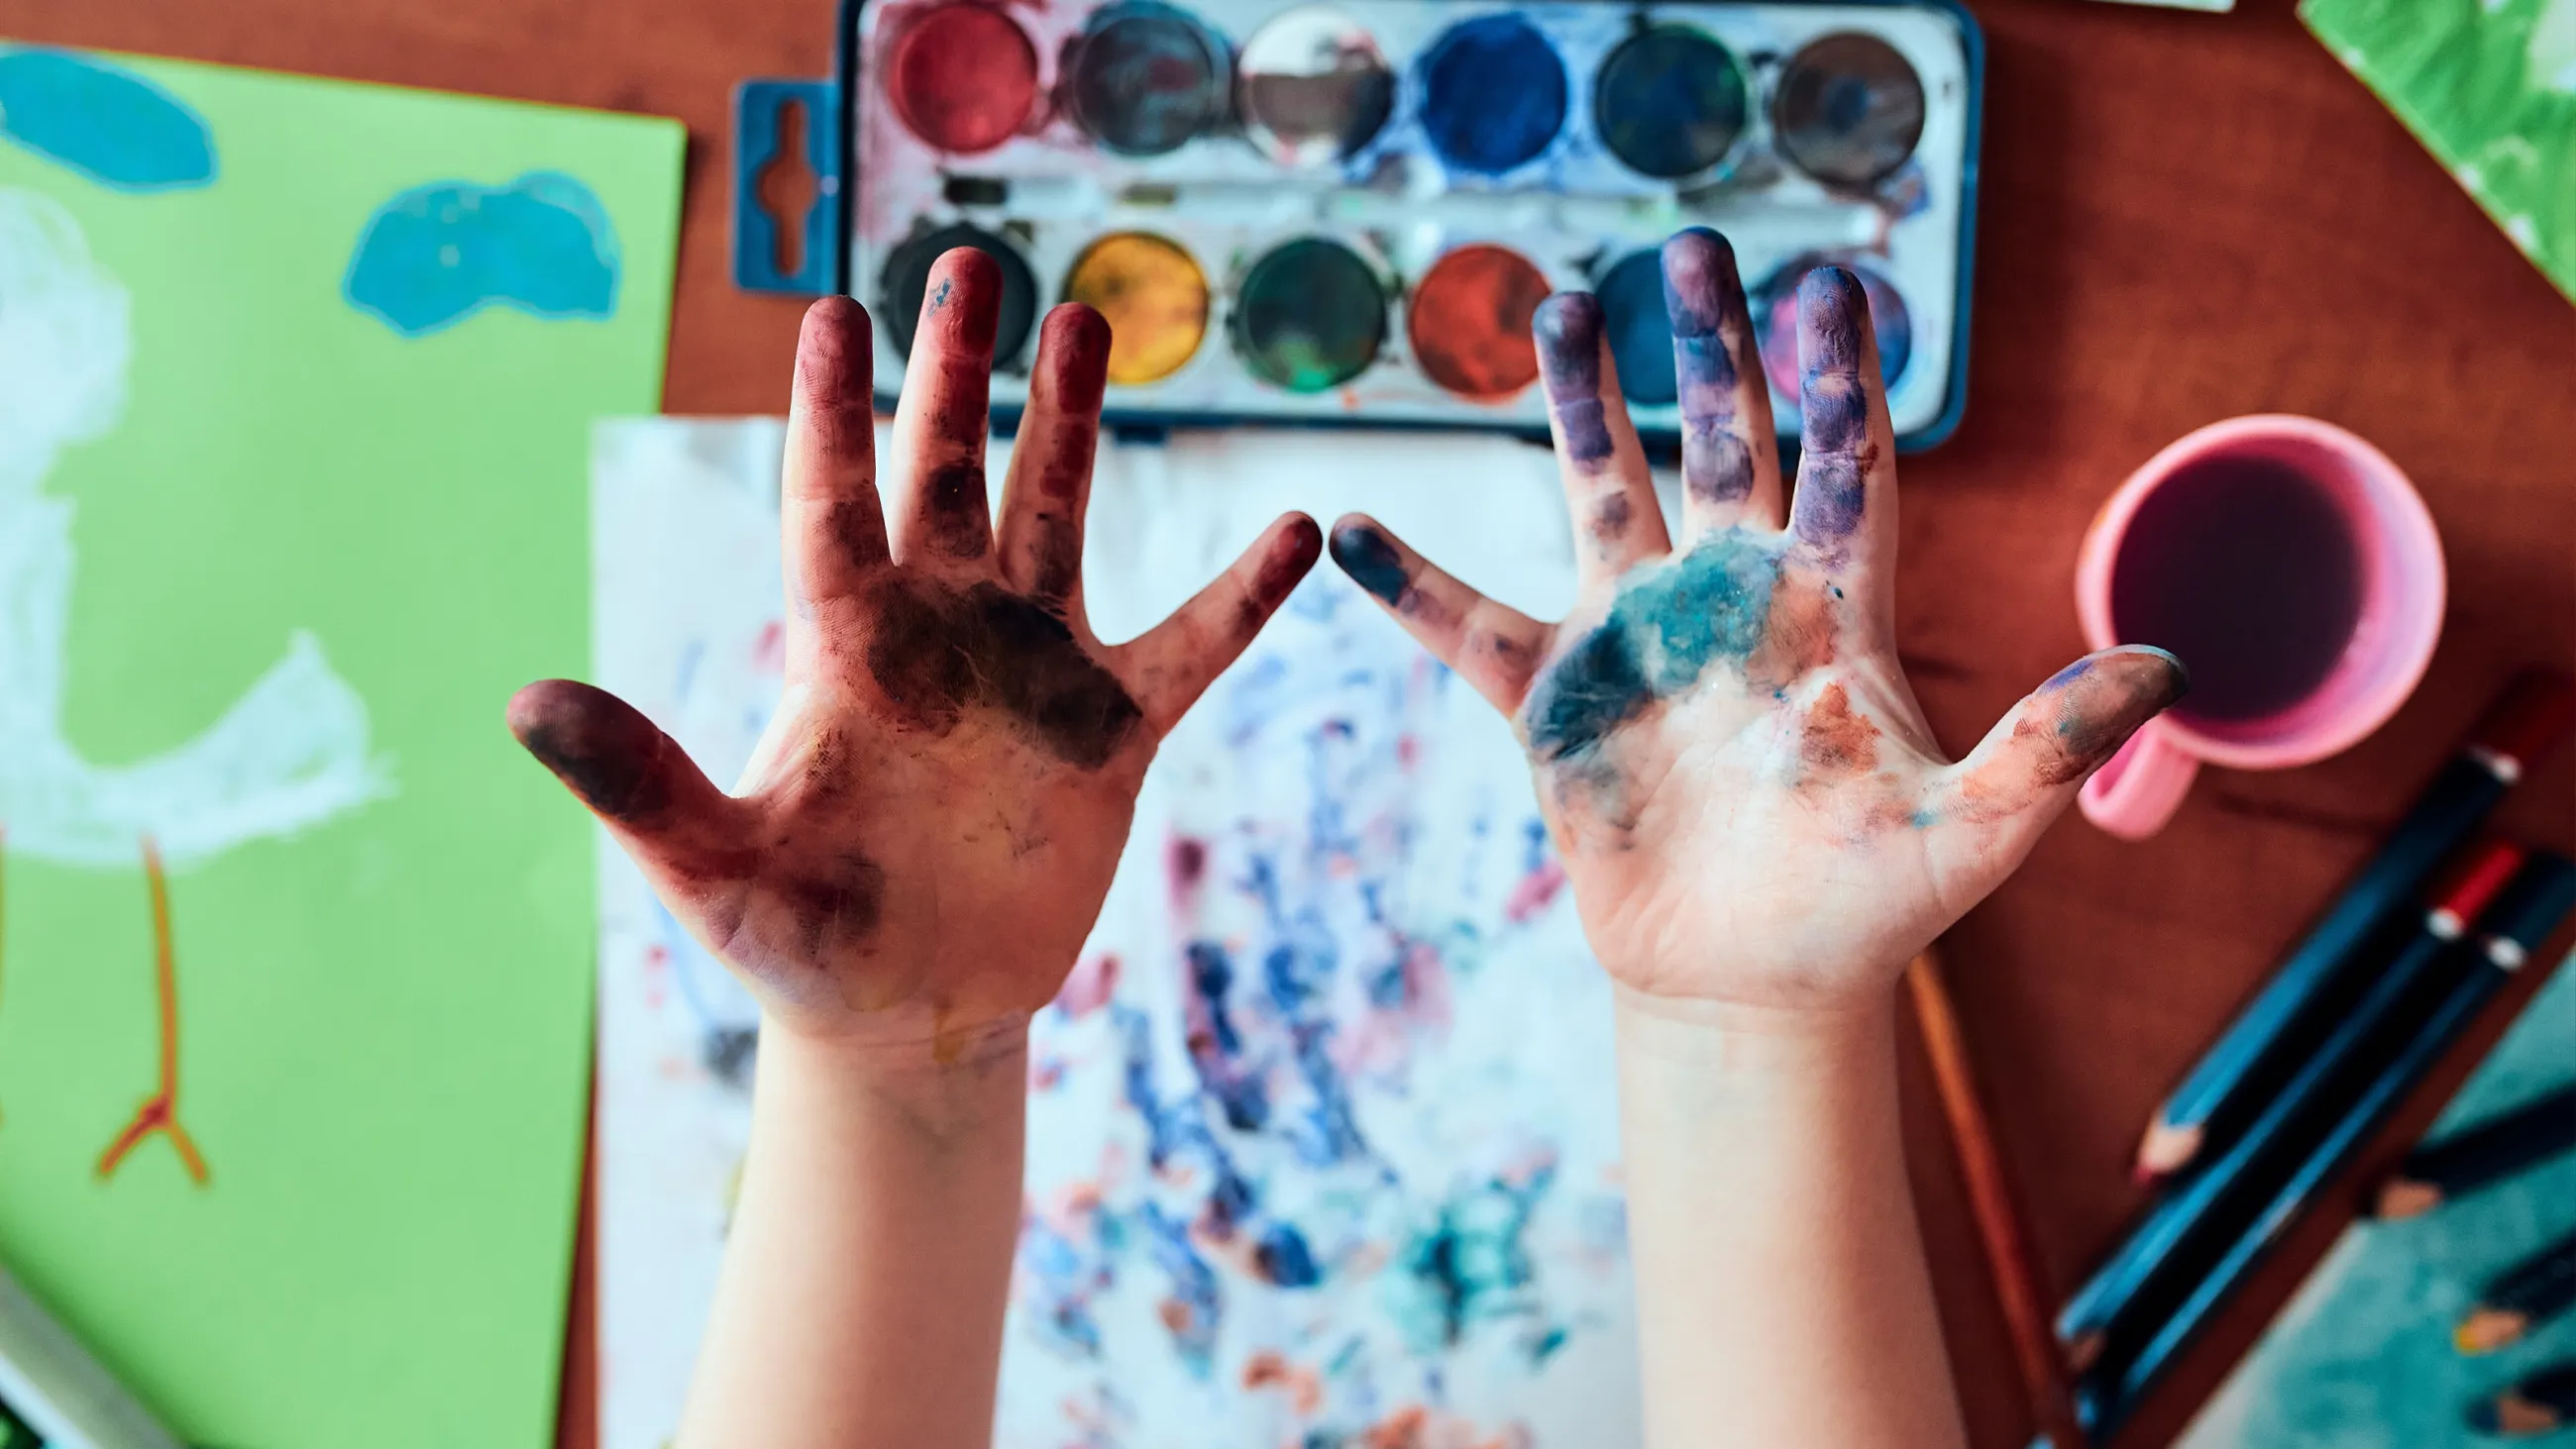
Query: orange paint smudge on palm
<point>160,1111</point>
<point>1835,740</point>
<point>1269,1369</point>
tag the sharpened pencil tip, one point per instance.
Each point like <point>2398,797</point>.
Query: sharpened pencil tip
<point>2487,1329</point>
<point>2166,1149</point>
<point>2082,1349</point>
<point>2406,1198</point>
<point>2512,1416</point>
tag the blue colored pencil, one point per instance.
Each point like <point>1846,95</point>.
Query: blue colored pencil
<point>2543,1403</point>
<point>2229,1083</point>
<point>2484,1152</point>
<point>2530,1292</point>
<point>2214,1203</point>
<point>2532,907</point>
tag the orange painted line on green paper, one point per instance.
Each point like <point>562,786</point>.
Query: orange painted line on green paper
<point>160,1111</point>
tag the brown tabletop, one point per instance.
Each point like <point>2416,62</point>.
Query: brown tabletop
<point>2185,217</point>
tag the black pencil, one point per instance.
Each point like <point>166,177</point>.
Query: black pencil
<point>2530,908</point>
<point>2233,1077</point>
<point>2542,1403</point>
<point>2485,1152</point>
<point>2530,1292</point>
<point>2213,1203</point>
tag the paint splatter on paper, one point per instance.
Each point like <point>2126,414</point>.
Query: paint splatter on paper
<point>1322,1149</point>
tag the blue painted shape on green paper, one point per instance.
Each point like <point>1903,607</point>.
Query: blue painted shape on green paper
<point>437,254</point>
<point>103,121</point>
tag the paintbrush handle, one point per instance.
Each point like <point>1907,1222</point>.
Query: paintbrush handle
<point>1999,1224</point>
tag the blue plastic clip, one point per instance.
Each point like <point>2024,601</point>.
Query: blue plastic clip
<point>757,106</point>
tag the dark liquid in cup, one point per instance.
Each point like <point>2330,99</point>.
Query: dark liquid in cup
<point>2246,570</point>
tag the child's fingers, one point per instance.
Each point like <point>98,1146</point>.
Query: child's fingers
<point>1730,459</point>
<point>1172,664</point>
<point>1994,804</point>
<point>1845,508</point>
<point>1611,494</point>
<point>679,828</point>
<point>1494,647</point>
<point>1050,479</point>
<point>938,495</point>
<point>833,530</point>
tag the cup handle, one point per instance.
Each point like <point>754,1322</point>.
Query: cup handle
<point>2138,789</point>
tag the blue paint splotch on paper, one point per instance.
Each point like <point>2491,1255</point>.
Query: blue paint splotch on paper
<point>105,122</point>
<point>437,254</point>
<point>1356,1183</point>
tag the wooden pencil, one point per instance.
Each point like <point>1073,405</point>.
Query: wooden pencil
<point>2542,1403</point>
<point>2215,1203</point>
<point>2485,1152</point>
<point>2260,1047</point>
<point>2523,1296</point>
<point>2523,916</point>
<point>1990,1199</point>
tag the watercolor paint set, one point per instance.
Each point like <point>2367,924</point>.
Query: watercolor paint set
<point>1346,212</point>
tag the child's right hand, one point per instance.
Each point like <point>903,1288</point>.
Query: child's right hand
<point>1751,808</point>
<point>927,829</point>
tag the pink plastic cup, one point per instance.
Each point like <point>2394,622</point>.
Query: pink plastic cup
<point>2140,788</point>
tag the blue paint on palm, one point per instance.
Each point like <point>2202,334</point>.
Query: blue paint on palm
<point>107,123</point>
<point>437,254</point>
<point>1665,629</point>
<point>1493,94</point>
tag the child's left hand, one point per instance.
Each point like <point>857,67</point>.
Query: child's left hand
<point>1751,809</point>
<point>926,832</point>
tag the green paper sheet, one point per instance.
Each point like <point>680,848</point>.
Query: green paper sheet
<point>296,381</point>
<point>2489,87</point>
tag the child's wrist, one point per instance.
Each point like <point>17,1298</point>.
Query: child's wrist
<point>1733,1037</point>
<point>947,1082</point>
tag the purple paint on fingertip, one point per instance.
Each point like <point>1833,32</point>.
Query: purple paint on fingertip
<point>1568,330</point>
<point>1833,405</point>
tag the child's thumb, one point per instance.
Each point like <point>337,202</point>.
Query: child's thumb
<point>2029,766</point>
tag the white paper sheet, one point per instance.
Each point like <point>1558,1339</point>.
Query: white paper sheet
<point>1381,1206</point>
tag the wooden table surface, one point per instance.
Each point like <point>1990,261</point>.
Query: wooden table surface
<point>2185,217</point>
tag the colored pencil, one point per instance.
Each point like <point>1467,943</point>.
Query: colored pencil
<point>2523,916</point>
<point>1990,1200</point>
<point>2260,1047</point>
<point>2480,1154</point>
<point>2530,1292</point>
<point>2542,1403</point>
<point>2214,1203</point>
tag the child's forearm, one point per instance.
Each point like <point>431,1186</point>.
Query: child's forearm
<point>1782,1295</point>
<point>870,1254</point>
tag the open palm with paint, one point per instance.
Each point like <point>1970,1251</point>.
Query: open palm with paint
<point>925,833</point>
<point>1751,808</point>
